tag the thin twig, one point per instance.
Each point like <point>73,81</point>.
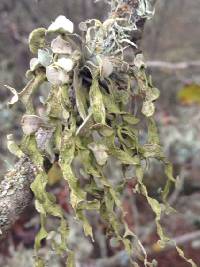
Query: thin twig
<point>181,240</point>
<point>173,65</point>
<point>178,241</point>
<point>179,187</point>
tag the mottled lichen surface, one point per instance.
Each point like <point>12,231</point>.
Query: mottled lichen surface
<point>15,193</point>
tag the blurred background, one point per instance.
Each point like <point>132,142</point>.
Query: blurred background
<point>172,36</point>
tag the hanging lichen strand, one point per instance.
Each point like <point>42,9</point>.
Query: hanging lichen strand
<point>95,111</point>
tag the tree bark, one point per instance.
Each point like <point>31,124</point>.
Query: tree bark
<point>15,193</point>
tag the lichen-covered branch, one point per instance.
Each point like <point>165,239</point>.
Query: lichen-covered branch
<point>15,193</point>
<point>88,116</point>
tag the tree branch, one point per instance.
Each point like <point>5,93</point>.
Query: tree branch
<point>179,241</point>
<point>173,66</point>
<point>15,193</point>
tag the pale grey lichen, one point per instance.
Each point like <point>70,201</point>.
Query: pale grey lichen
<point>15,193</point>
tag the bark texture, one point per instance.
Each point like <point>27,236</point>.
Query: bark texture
<point>15,193</point>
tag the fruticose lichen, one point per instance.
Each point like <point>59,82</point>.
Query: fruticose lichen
<point>97,105</point>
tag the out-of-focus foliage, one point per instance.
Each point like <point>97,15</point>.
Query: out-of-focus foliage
<point>189,94</point>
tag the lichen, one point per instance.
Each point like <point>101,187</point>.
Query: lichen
<point>89,113</point>
<point>12,201</point>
